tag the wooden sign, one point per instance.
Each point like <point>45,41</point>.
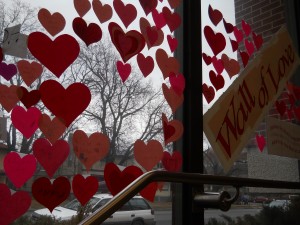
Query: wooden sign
<point>230,122</point>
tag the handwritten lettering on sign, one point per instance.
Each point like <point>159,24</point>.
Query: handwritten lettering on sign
<point>230,122</point>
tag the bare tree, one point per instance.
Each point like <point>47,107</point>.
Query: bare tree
<point>122,111</point>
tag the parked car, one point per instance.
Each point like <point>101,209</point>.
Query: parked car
<point>261,199</point>
<point>136,211</point>
<point>280,203</point>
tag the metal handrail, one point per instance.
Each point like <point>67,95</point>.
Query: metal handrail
<point>136,186</point>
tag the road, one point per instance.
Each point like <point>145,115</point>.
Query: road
<point>165,217</point>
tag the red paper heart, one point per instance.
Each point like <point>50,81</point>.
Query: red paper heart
<point>152,35</point>
<point>52,129</point>
<point>127,13</point>
<point>28,98</point>
<point>148,5</point>
<point>261,142</point>
<point>214,15</point>
<point>246,27</point>
<point>148,155</point>
<point>159,19</point>
<point>228,26</point>
<point>231,66</point>
<point>249,46</point>
<point>128,44</point>
<point>216,80</point>
<point>172,98</point>
<point>216,41</point>
<point>7,71</point>
<point>51,157</point>
<point>56,55</point>
<point>238,34</point>
<point>208,92</point>
<point>8,96</point>
<point>173,43</point>
<point>90,149</point>
<point>234,45</point>
<point>245,58</point>
<point>51,194</point>
<point>124,70</point>
<point>29,71</point>
<point>84,188</point>
<point>207,59</point>
<point>117,180</point>
<point>172,129</point>
<point>173,19</point>
<point>218,64</point>
<point>25,121</point>
<point>12,206</point>
<point>66,104</point>
<point>17,169</point>
<point>281,107</point>
<point>54,23</point>
<point>82,7</point>
<point>146,64</point>
<point>177,83</point>
<point>166,64</point>
<point>90,34</point>
<point>103,12</point>
<point>172,162</point>
<point>174,3</point>
<point>258,40</point>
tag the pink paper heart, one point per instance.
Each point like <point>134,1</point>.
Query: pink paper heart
<point>177,83</point>
<point>218,64</point>
<point>261,142</point>
<point>249,46</point>
<point>12,206</point>
<point>159,19</point>
<point>124,70</point>
<point>26,122</point>
<point>238,34</point>
<point>19,170</point>
<point>173,43</point>
<point>51,157</point>
<point>7,70</point>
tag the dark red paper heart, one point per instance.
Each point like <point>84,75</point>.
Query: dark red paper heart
<point>148,5</point>
<point>216,41</point>
<point>173,43</point>
<point>218,64</point>
<point>172,162</point>
<point>84,188</point>
<point>258,40</point>
<point>56,55</point>
<point>207,59</point>
<point>214,15</point>
<point>281,107</point>
<point>249,46</point>
<point>90,34</point>
<point>117,180</point>
<point>234,45</point>
<point>238,34</point>
<point>173,19</point>
<point>124,70</point>
<point>12,206</point>
<point>177,83</point>
<point>1,55</point>
<point>245,58</point>
<point>128,44</point>
<point>216,80</point>
<point>146,64</point>
<point>228,26</point>
<point>51,194</point>
<point>66,104</point>
<point>208,92</point>
<point>51,157</point>
<point>127,13</point>
<point>7,71</point>
<point>28,98</point>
